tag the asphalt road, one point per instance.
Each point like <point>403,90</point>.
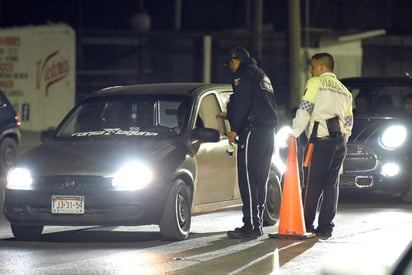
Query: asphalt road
<point>370,233</point>
<point>369,236</point>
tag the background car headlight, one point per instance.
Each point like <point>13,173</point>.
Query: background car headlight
<point>393,137</point>
<point>390,169</point>
<point>282,136</point>
<point>133,176</point>
<point>19,178</point>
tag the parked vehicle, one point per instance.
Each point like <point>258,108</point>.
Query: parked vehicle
<point>132,155</point>
<point>379,156</point>
<point>9,134</point>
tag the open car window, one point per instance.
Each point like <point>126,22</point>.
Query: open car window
<point>125,116</point>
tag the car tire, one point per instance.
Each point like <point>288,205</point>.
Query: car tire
<point>8,154</point>
<point>176,218</point>
<point>273,199</point>
<point>26,232</point>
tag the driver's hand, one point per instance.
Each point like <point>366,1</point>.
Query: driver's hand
<point>232,136</point>
<point>221,115</point>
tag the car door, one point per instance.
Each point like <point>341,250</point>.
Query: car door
<point>215,161</point>
<point>224,96</point>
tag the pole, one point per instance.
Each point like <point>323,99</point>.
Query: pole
<point>257,29</point>
<point>307,40</point>
<point>178,15</point>
<point>207,58</point>
<point>294,53</point>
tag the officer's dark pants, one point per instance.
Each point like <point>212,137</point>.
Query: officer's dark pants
<point>322,178</point>
<point>254,158</point>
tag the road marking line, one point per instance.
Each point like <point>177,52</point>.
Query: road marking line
<point>274,253</point>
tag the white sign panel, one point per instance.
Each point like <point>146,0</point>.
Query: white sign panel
<point>37,73</point>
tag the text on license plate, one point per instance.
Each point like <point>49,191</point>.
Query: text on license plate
<point>67,204</point>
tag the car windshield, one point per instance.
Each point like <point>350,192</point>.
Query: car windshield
<point>127,116</point>
<point>384,100</point>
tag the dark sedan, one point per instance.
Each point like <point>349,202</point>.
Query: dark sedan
<point>132,155</point>
<point>380,148</point>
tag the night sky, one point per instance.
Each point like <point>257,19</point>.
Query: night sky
<point>115,15</point>
<point>208,15</point>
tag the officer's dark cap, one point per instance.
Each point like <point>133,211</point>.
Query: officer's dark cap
<point>238,53</point>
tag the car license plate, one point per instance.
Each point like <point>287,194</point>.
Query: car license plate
<point>67,204</point>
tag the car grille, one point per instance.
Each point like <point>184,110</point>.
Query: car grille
<point>359,158</point>
<point>74,182</point>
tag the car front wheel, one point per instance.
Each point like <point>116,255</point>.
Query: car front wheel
<point>26,232</point>
<point>176,218</point>
<point>273,199</point>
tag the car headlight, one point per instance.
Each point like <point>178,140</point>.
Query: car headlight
<point>390,169</point>
<point>393,137</point>
<point>19,178</point>
<point>282,136</point>
<point>133,176</point>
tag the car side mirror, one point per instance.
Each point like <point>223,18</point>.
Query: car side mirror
<point>206,135</point>
<point>47,135</point>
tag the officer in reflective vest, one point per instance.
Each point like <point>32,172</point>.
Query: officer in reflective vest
<point>329,103</point>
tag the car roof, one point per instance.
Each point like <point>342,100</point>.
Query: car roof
<point>377,81</point>
<point>178,89</point>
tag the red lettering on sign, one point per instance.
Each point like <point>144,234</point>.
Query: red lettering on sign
<point>51,70</point>
<point>10,40</point>
<point>6,67</point>
<point>6,84</point>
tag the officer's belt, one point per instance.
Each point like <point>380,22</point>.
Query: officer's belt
<point>331,137</point>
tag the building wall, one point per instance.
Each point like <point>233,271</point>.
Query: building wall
<point>178,57</point>
<point>387,55</point>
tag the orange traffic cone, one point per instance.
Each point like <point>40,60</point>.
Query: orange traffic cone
<point>291,219</point>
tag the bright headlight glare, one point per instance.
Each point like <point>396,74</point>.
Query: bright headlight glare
<point>277,161</point>
<point>282,136</point>
<point>390,169</point>
<point>18,178</point>
<point>393,137</point>
<point>133,176</point>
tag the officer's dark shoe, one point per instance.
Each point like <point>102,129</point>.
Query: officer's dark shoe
<point>244,228</point>
<point>245,233</point>
<point>310,229</point>
<point>323,233</point>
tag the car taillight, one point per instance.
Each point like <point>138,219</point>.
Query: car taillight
<point>18,119</point>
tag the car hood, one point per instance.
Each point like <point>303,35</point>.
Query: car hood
<point>101,158</point>
<point>366,127</point>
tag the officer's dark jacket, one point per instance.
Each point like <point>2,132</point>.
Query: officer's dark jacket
<point>253,102</point>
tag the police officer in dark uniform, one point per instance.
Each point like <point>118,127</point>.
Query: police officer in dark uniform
<point>252,114</point>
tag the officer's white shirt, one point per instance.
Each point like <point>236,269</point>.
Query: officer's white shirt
<point>325,97</point>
